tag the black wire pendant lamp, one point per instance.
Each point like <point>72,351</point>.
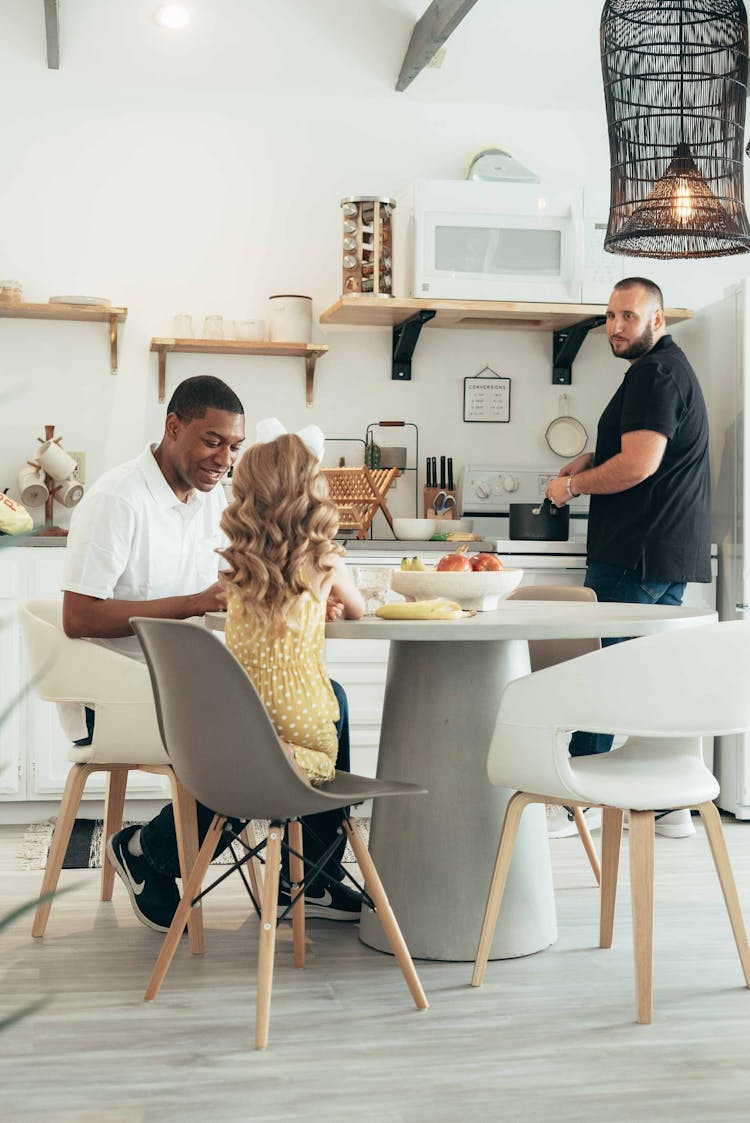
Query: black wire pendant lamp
<point>675,85</point>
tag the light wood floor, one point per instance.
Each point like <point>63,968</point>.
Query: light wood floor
<point>550,1037</point>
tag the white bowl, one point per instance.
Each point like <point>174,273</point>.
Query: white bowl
<point>413,530</point>
<point>480,590</point>
<point>453,526</point>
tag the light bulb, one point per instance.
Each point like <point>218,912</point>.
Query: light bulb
<point>683,202</point>
<point>172,16</point>
<point>541,203</point>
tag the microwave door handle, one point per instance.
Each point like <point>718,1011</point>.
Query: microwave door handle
<point>578,256</point>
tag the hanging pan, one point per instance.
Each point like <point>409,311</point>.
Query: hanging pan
<point>565,435</point>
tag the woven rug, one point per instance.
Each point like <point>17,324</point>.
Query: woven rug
<point>85,846</point>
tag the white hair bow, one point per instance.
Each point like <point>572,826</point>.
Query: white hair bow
<point>270,428</point>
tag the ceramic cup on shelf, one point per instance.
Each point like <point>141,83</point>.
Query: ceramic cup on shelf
<point>213,327</point>
<point>249,329</point>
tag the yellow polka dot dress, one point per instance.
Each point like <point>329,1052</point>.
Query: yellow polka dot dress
<point>288,672</point>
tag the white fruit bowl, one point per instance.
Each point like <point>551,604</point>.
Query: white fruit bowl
<point>480,591</point>
<point>413,530</point>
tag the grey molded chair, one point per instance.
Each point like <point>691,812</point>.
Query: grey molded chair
<point>126,739</point>
<point>226,753</point>
<point>548,653</point>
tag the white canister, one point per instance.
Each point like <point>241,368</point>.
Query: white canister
<point>290,319</point>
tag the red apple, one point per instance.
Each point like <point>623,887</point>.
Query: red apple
<point>479,562</point>
<point>454,563</point>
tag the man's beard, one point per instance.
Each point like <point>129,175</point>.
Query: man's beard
<point>640,346</point>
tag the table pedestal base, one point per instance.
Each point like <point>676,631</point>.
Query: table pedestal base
<point>435,852</point>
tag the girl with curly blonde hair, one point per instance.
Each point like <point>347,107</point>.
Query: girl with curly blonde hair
<point>285,575</point>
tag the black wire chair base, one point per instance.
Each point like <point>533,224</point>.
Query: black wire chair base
<point>313,870</point>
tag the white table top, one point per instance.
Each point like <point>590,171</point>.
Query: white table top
<point>522,620</point>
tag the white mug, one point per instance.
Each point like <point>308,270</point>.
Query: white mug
<point>56,461</point>
<point>70,493</point>
<point>31,487</point>
<point>290,319</point>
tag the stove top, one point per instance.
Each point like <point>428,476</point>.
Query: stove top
<point>489,490</point>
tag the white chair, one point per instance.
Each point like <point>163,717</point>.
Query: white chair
<point>126,738</point>
<point>548,653</point>
<point>664,693</point>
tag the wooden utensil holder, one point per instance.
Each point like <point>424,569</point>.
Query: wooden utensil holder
<point>429,499</point>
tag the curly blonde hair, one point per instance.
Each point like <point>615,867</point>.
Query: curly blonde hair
<point>280,523</point>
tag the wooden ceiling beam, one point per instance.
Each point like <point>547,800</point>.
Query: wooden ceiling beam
<point>430,32</point>
<point>52,28</point>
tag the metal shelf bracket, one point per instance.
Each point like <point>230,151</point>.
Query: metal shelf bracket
<point>565,346</point>
<point>405,336</point>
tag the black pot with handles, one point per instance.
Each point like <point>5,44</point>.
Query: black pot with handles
<point>539,522</point>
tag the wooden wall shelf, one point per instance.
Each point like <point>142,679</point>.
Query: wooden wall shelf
<point>100,313</point>
<point>569,323</point>
<point>495,315</point>
<point>310,352</point>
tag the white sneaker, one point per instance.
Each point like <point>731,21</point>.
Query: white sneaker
<point>674,824</point>
<point>561,824</point>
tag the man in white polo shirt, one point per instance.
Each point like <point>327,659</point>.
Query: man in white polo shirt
<point>143,543</point>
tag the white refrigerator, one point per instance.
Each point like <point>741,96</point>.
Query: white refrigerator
<point>717,341</point>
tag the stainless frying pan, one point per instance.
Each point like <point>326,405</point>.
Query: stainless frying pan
<point>565,435</point>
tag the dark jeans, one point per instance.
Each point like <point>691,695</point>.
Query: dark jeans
<point>159,840</point>
<point>614,583</point>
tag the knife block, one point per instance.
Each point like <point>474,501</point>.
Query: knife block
<point>429,499</point>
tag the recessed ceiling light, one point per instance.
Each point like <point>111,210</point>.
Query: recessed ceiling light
<point>172,16</point>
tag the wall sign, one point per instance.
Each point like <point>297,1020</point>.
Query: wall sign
<point>487,397</point>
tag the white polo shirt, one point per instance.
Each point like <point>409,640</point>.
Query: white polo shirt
<point>131,538</point>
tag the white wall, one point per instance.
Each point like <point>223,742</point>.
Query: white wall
<point>203,173</point>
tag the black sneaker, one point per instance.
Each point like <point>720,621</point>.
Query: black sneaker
<point>154,896</point>
<point>332,901</point>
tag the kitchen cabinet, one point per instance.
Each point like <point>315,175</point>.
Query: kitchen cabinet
<point>310,352</point>
<point>33,748</point>
<point>82,312</point>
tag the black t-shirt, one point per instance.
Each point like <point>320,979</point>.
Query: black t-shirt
<point>661,527</point>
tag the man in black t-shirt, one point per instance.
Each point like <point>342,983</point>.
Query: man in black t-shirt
<point>649,528</point>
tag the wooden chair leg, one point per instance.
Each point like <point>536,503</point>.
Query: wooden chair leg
<point>588,843</point>
<point>642,895</point>
<point>267,936</point>
<point>712,823</point>
<point>190,888</point>
<point>511,823</point>
<point>296,875</point>
<point>114,804</point>
<point>74,785</point>
<point>254,866</point>
<point>386,916</point>
<point>186,829</point>
<point>611,840</point>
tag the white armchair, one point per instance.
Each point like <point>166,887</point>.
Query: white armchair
<point>126,737</point>
<point>664,693</point>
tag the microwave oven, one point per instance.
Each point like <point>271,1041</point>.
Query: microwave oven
<point>470,240</point>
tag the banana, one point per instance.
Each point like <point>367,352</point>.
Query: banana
<point>418,565</point>
<point>438,608</point>
<point>406,564</point>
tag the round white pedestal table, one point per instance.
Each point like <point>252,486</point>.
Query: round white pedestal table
<point>435,852</point>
